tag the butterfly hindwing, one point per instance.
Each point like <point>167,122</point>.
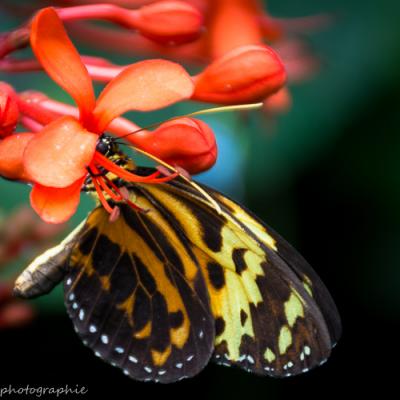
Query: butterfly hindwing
<point>137,297</point>
<point>271,317</point>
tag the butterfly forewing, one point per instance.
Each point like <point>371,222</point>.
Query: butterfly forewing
<point>270,317</point>
<point>137,297</point>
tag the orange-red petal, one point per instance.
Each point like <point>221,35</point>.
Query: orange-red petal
<point>61,60</point>
<point>144,86</point>
<point>58,155</point>
<point>55,205</point>
<point>11,156</point>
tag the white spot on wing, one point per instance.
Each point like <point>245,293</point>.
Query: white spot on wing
<point>71,297</point>
<point>179,365</point>
<point>133,359</point>
<point>69,281</point>
<point>119,350</point>
<point>75,306</point>
<point>190,358</point>
<point>81,314</point>
<point>148,369</point>
<point>307,350</point>
<point>201,334</point>
<point>104,339</point>
<point>92,329</point>
<point>250,359</point>
<point>162,372</point>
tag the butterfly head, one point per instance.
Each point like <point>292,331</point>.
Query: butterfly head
<point>107,146</point>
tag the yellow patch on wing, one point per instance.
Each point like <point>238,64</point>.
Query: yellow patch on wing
<point>160,357</point>
<point>179,335</point>
<point>145,332</point>
<point>258,229</point>
<point>293,308</point>
<point>269,355</point>
<point>307,285</point>
<point>285,339</point>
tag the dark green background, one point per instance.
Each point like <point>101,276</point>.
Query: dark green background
<point>326,177</point>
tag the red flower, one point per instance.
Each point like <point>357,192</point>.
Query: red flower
<point>57,159</point>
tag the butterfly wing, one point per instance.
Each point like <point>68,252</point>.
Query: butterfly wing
<point>273,315</point>
<point>137,297</point>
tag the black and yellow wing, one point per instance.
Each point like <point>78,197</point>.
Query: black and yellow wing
<point>137,297</point>
<point>273,315</point>
<point>158,293</point>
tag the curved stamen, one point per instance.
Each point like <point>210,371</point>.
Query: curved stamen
<point>120,172</point>
<point>102,199</point>
<point>129,176</point>
<point>116,196</point>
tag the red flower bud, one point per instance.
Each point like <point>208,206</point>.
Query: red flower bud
<point>169,22</point>
<point>9,112</point>
<point>244,75</point>
<point>185,142</point>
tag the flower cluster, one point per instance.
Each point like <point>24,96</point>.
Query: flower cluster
<point>235,35</point>
<point>57,153</point>
<point>58,148</point>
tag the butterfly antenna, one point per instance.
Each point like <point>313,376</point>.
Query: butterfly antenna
<point>212,110</point>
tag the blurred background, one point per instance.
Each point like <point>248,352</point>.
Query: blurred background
<point>326,175</point>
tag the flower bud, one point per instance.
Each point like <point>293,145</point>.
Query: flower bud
<point>169,22</point>
<point>185,142</point>
<point>244,75</point>
<point>9,112</point>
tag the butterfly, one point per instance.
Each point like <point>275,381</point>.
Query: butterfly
<point>162,291</point>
